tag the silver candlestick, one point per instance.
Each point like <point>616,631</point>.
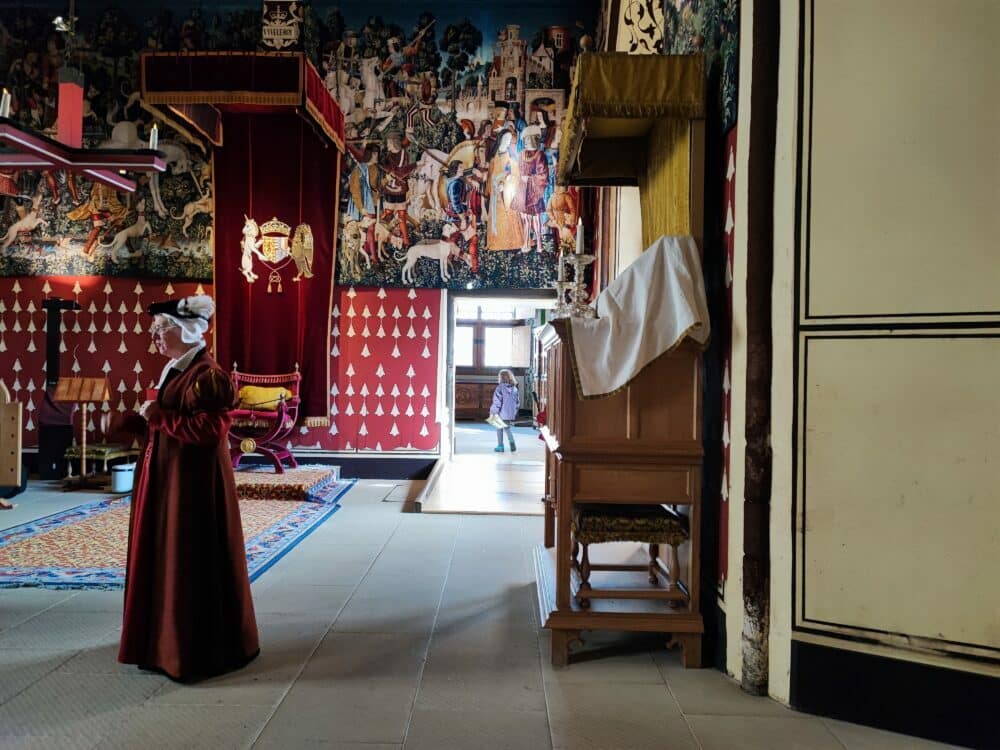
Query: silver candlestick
<point>576,305</point>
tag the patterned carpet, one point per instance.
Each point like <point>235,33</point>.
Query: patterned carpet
<point>85,546</point>
<point>305,483</point>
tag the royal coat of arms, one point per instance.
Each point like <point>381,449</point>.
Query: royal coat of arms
<point>270,244</point>
<point>282,24</point>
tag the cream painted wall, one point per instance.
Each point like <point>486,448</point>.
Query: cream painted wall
<point>782,352</point>
<point>905,169</point>
<point>628,229</point>
<point>901,438</point>
<point>901,433</point>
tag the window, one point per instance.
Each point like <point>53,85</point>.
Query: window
<point>510,91</point>
<point>464,353</point>
<point>499,343</point>
<point>493,333</point>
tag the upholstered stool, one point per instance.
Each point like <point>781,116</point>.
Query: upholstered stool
<point>104,452</point>
<point>595,523</point>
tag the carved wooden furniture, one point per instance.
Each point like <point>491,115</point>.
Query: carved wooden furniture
<point>264,417</point>
<point>638,447</point>
<point>653,525</point>
<point>473,399</point>
<point>11,470</point>
<point>82,391</point>
<point>103,452</point>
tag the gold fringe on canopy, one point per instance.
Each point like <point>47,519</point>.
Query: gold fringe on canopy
<point>618,97</point>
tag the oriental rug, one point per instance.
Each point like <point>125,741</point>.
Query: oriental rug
<point>85,547</point>
<point>317,484</point>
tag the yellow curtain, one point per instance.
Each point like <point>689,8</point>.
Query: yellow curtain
<point>665,186</point>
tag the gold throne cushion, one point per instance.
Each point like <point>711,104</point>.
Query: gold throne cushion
<point>261,397</point>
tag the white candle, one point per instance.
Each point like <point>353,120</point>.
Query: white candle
<point>579,236</point>
<point>562,269</point>
<point>5,104</point>
<point>154,138</point>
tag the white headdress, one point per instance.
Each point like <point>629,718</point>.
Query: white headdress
<point>191,314</point>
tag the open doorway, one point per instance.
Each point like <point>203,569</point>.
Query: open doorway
<point>488,335</point>
<point>492,336</point>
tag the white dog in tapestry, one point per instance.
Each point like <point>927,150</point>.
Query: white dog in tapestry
<point>442,250</point>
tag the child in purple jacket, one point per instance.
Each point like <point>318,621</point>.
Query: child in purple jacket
<point>506,402</point>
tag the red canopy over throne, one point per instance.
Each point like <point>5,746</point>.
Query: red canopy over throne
<point>278,137</point>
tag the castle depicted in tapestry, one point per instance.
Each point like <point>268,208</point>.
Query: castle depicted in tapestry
<point>452,129</point>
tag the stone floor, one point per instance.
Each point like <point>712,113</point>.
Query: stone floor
<point>381,630</point>
<point>478,480</point>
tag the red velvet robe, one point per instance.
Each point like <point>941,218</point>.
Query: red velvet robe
<point>188,608</point>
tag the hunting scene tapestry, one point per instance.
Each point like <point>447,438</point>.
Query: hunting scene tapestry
<point>453,130</point>
<point>58,223</point>
<point>452,116</point>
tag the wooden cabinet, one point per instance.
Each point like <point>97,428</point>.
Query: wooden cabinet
<point>640,445</point>
<point>473,400</point>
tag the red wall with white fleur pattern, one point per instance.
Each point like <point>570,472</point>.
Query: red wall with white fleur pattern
<point>383,355</point>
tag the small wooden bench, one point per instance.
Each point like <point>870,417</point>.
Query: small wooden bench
<point>596,523</point>
<point>104,452</point>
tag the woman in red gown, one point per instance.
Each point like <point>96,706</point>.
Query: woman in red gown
<point>188,610</point>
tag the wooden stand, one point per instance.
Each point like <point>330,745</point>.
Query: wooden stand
<point>639,446</point>
<point>82,391</point>
<point>10,443</point>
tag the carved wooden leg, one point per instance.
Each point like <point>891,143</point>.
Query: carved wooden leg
<point>690,651</point>
<point>550,523</point>
<point>561,640</point>
<point>675,572</point>
<point>654,550</point>
<point>584,578</point>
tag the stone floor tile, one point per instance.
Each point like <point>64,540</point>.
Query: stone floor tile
<point>372,711</point>
<point>621,716</point>
<point>75,705</point>
<point>857,737</point>
<point>709,691</point>
<point>21,668</point>
<point>492,729</point>
<point>71,630</point>
<point>368,656</point>
<point>208,727</point>
<point>762,733</point>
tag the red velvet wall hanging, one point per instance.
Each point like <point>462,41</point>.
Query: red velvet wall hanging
<point>275,165</point>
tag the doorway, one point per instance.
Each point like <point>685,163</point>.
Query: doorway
<point>487,335</point>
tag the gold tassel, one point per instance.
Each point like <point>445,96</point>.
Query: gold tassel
<point>274,278</point>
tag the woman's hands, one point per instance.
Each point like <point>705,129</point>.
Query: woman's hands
<point>151,411</point>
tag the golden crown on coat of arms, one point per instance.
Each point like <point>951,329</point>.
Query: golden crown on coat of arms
<point>275,226</point>
<point>270,243</point>
<point>274,234</point>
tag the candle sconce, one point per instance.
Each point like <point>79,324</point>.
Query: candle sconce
<point>571,295</point>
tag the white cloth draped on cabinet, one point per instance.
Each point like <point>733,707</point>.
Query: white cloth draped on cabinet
<point>652,305</point>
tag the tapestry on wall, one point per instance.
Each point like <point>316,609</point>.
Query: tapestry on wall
<point>453,126</point>
<point>453,129</point>
<point>60,223</point>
